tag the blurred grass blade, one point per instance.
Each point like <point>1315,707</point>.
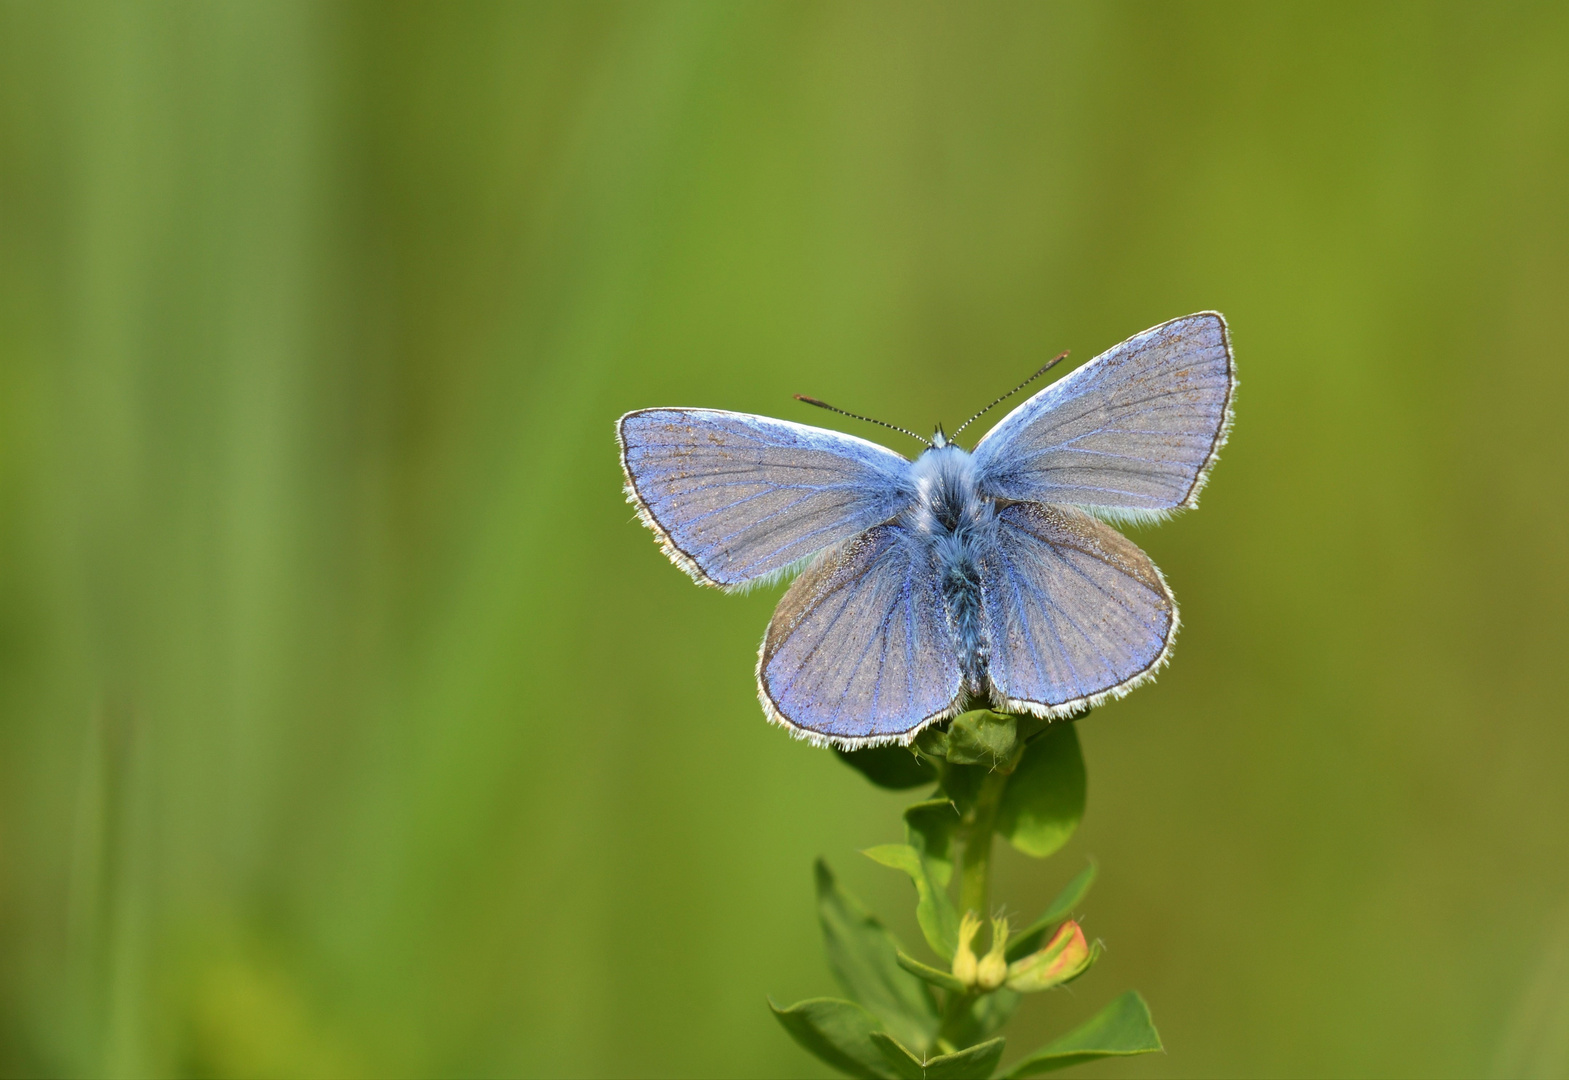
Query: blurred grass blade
<point>1120,1029</point>
<point>837,1032</point>
<point>865,959</point>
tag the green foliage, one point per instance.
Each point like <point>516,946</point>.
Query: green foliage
<point>994,773</point>
<point>930,828</point>
<point>892,767</point>
<point>1045,799</point>
<point>865,959</point>
<point>933,910</point>
<point>838,1032</point>
<point>1119,1030</point>
<point>941,979</point>
<point>1029,939</point>
<point>973,1063</point>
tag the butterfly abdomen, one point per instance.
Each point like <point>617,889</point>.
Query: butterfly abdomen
<point>961,589</point>
<point>954,520</point>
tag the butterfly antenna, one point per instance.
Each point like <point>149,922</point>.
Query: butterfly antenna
<point>1059,358</point>
<point>855,416</point>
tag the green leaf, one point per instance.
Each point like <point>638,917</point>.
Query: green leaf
<point>983,737</point>
<point>893,767</point>
<point>933,910</point>
<point>962,784</point>
<point>927,973</point>
<point>1029,939</point>
<point>865,959</point>
<point>838,1032</point>
<point>1045,796</point>
<point>930,827</point>
<point>975,1063</point>
<point>1120,1029</point>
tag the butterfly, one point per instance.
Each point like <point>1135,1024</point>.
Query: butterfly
<point>964,576</point>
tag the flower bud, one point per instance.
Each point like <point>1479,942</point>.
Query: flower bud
<point>993,968</point>
<point>1066,956</point>
<point>964,965</point>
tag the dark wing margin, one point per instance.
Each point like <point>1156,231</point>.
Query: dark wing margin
<point>1131,435</point>
<point>1075,612</point>
<point>737,499</point>
<point>858,652</point>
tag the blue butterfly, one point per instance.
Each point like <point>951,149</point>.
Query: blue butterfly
<point>960,577</point>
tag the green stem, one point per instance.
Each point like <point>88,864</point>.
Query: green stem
<point>975,877</point>
<point>954,1018</point>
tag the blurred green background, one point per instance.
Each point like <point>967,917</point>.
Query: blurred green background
<point>348,722</point>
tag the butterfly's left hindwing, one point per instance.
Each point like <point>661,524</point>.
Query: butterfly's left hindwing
<point>859,651</point>
<point>736,499</point>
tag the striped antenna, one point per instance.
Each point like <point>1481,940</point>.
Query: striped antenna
<point>855,416</point>
<point>1059,358</point>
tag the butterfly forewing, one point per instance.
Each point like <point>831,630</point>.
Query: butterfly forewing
<point>735,498</point>
<point>859,649</point>
<point>1134,430</point>
<point>1074,610</point>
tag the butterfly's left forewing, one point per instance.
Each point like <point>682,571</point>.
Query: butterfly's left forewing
<point>736,499</point>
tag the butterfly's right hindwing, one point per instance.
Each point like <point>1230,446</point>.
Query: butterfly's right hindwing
<point>736,499</point>
<point>1074,611</point>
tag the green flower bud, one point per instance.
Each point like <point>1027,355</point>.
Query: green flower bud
<point>1064,958</point>
<point>993,968</point>
<point>964,964</point>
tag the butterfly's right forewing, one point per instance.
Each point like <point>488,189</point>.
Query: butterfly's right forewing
<point>1133,432</point>
<point>735,498</point>
<point>859,650</point>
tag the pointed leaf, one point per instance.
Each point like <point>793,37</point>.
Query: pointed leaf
<point>933,910</point>
<point>974,1063</point>
<point>1072,894</point>
<point>896,1059</point>
<point>837,1032</point>
<point>865,959</point>
<point>930,828</point>
<point>1119,1030</point>
<point>1044,799</point>
<point>893,767</point>
<point>935,976</point>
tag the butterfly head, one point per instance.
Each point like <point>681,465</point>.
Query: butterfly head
<point>939,440</point>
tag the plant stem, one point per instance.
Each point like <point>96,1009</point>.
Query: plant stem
<point>975,878</point>
<point>954,1017</point>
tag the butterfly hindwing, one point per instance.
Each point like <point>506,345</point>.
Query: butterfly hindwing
<point>859,650</point>
<point>1074,610</point>
<point>736,498</point>
<point>1133,432</point>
